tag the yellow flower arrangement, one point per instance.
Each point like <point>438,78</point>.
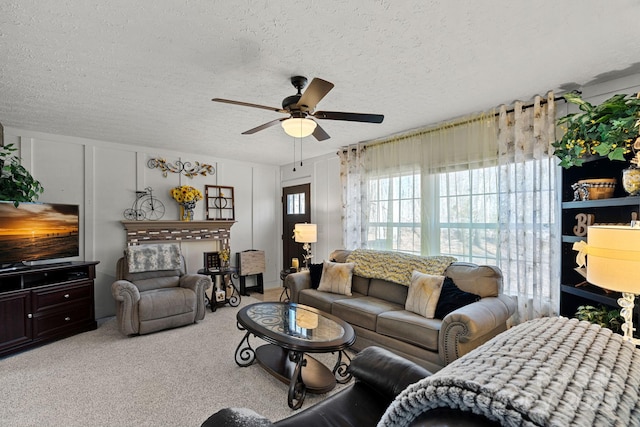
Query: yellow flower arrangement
<point>185,193</point>
<point>224,255</point>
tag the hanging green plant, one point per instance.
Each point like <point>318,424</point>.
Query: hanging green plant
<point>608,129</point>
<point>16,183</point>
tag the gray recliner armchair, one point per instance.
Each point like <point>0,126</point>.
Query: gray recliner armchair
<point>153,293</point>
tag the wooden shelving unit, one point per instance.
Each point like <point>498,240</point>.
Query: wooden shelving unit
<point>574,291</point>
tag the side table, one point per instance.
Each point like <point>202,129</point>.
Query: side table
<point>231,293</point>
<point>284,296</point>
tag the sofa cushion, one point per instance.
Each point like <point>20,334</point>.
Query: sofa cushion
<point>424,293</point>
<point>388,291</point>
<point>315,270</point>
<point>362,311</point>
<point>360,285</point>
<point>452,298</point>
<point>166,302</point>
<point>483,280</point>
<point>336,278</point>
<point>410,327</point>
<point>321,300</point>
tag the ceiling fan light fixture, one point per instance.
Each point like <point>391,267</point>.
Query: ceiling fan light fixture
<point>299,127</point>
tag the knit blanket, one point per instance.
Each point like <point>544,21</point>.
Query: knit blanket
<point>153,257</point>
<point>396,267</point>
<point>545,372</point>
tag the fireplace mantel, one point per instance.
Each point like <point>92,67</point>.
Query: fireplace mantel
<point>140,232</point>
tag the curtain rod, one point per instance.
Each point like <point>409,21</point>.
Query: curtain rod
<point>434,128</point>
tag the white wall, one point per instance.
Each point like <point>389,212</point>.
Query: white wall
<point>102,178</point>
<point>323,173</point>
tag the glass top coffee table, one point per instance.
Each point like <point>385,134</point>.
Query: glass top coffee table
<point>292,330</point>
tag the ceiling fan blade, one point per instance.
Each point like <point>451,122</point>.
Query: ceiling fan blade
<point>320,134</point>
<point>316,90</point>
<point>350,117</point>
<point>264,126</point>
<point>247,104</point>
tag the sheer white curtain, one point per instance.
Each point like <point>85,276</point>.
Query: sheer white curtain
<point>354,197</point>
<point>411,193</point>
<point>482,189</point>
<point>529,204</point>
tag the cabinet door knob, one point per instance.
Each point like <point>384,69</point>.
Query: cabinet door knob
<point>30,316</point>
<point>66,295</point>
<point>67,318</point>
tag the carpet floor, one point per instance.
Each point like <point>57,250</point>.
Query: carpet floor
<point>176,377</point>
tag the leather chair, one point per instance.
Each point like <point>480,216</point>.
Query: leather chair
<point>380,376</point>
<point>150,301</point>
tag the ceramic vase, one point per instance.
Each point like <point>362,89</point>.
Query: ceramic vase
<point>186,210</point>
<point>631,181</point>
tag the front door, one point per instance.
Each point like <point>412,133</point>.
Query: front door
<point>296,208</point>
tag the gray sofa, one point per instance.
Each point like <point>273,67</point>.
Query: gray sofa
<point>376,310</point>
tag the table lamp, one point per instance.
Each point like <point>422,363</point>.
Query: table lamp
<point>307,234</point>
<point>613,262</point>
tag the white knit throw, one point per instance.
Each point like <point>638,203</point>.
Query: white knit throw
<point>545,372</point>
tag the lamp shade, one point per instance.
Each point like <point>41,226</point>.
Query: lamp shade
<point>305,233</point>
<point>299,127</point>
<point>613,258</point>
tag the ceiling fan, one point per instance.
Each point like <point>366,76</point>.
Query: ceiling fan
<point>301,107</point>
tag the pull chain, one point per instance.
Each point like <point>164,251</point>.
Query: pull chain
<point>294,154</point>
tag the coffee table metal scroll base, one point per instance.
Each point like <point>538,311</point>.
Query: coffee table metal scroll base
<point>301,371</point>
<point>293,331</point>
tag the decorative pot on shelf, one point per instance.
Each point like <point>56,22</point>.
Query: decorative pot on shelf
<point>186,210</point>
<point>631,181</point>
<point>186,196</point>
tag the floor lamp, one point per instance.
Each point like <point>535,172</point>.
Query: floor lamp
<point>307,234</point>
<point>613,262</point>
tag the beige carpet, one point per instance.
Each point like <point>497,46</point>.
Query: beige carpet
<point>172,378</point>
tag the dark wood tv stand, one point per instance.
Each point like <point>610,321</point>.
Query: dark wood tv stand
<point>45,303</point>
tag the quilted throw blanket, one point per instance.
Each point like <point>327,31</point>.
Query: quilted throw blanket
<point>545,372</point>
<point>153,257</point>
<point>396,267</point>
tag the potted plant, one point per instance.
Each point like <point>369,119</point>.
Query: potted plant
<point>16,183</point>
<point>608,129</point>
<point>603,316</point>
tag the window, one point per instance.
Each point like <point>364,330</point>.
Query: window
<point>395,213</point>
<point>468,214</point>
<point>295,204</point>
<point>464,214</point>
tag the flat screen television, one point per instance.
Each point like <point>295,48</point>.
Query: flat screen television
<point>37,232</point>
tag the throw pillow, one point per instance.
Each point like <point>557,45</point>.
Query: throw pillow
<point>336,277</point>
<point>424,292</point>
<point>315,270</point>
<point>452,298</point>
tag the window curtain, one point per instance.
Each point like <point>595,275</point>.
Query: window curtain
<point>385,183</point>
<point>483,189</point>
<point>354,197</point>
<point>529,203</point>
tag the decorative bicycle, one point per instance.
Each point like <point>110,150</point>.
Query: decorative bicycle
<point>145,207</point>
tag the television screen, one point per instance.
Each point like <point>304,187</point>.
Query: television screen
<point>38,231</point>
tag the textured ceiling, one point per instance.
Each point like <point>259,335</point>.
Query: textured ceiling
<point>144,72</point>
